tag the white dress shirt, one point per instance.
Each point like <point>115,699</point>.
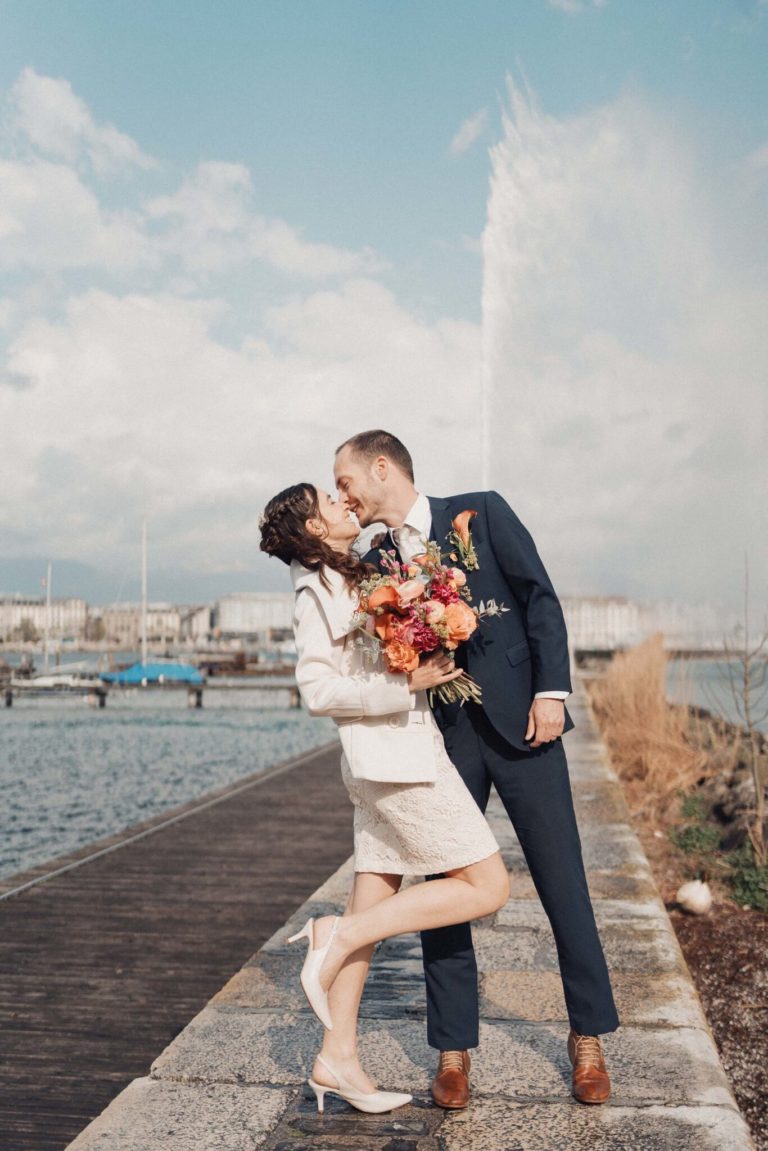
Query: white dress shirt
<point>411,540</point>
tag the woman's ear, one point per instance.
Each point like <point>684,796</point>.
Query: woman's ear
<point>315,527</point>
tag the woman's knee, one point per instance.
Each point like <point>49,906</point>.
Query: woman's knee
<point>495,884</point>
<point>490,879</point>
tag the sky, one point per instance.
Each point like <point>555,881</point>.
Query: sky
<point>527,237</point>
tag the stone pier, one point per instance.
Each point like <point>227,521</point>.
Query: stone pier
<point>233,1079</point>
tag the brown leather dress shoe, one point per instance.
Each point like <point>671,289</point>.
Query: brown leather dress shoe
<point>450,1087</point>
<point>591,1083</point>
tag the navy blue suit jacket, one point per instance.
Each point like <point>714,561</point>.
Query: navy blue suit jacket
<point>522,651</point>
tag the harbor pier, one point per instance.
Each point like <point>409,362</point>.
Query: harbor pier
<point>107,953</point>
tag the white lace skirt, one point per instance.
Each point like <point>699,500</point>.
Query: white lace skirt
<point>418,828</point>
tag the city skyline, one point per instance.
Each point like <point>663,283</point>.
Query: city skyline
<point>229,241</point>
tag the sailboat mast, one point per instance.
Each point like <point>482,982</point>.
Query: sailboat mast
<point>47,617</point>
<point>144,593</point>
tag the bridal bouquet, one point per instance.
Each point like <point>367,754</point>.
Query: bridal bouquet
<point>413,609</point>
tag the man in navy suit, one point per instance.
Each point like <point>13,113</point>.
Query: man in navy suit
<point>512,741</point>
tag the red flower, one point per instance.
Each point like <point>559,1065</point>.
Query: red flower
<point>444,593</point>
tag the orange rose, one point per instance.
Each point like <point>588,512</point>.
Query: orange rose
<point>383,596</point>
<point>458,577</point>
<point>461,525</point>
<point>401,656</point>
<point>461,621</point>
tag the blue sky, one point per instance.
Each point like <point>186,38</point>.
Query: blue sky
<point>353,151</point>
<point>344,112</point>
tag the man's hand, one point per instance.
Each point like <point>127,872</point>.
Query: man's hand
<point>546,721</point>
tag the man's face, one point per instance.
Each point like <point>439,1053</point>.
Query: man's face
<point>360,485</point>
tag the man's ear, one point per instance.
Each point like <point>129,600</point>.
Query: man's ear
<point>381,467</point>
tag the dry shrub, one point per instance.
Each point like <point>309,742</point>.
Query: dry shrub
<point>647,737</point>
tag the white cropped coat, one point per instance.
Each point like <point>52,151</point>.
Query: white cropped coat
<point>386,731</point>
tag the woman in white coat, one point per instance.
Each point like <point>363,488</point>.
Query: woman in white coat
<point>413,812</point>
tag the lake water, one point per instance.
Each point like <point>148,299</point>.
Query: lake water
<point>705,683</point>
<point>70,774</point>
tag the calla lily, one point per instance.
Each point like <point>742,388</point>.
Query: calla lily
<point>383,596</point>
<point>461,525</point>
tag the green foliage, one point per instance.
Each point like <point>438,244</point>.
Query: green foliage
<point>696,839</point>
<point>697,836</point>
<point>694,807</point>
<point>749,882</point>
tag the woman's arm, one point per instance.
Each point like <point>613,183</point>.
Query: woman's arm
<point>323,688</point>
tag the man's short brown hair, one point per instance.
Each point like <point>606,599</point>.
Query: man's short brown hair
<point>370,445</point>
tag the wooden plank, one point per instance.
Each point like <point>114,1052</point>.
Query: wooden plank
<point>102,964</point>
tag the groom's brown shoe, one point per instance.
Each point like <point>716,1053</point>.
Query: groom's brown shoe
<point>591,1083</point>
<point>450,1087</point>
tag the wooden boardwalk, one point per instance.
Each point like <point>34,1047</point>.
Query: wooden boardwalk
<point>110,951</point>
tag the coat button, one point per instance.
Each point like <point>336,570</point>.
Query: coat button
<point>394,721</point>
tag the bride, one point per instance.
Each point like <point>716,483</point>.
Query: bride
<point>413,814</point>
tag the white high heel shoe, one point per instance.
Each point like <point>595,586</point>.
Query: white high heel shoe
<point>374,1102</point>
<point>316,994</point>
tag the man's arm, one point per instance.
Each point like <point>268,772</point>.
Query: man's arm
<point>532,588</point>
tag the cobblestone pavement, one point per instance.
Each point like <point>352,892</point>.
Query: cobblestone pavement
<point>234,1078</point>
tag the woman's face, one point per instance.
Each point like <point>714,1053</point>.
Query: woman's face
<point>336,525</point>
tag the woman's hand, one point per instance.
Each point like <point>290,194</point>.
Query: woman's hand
<point>435,669</point>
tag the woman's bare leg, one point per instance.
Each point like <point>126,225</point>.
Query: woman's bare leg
<point>340,1045</point>
<point>464,894</point>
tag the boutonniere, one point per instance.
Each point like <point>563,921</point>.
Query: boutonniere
<point>461,539</point>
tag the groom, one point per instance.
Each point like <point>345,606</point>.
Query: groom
<point>511,741</point>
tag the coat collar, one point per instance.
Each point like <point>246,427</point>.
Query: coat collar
<point>441,520</point>
<point>339,604</point>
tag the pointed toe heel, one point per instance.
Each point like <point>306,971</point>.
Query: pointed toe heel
<point>373,1103</point>
<point>317,996</point>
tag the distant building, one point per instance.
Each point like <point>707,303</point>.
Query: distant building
<point>601,623</point>
<point>24,617</point>
<point>605,623</point>
<point>122,624</point>
<point>196,624</point>
<point>252,615</point>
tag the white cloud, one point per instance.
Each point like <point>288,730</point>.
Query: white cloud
<point>132,403</point>
<point>59,124</point>
<point>758,159</point>
<point>621,336</point>
<point>212,225</point>
<point>573,7</point>
<point>623,333</point>
<point>50,220</point>
<point>470,131</point>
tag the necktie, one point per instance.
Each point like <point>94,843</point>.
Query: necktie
<point>408,541</point>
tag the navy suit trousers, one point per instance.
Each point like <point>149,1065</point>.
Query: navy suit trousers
<point>535,789</point>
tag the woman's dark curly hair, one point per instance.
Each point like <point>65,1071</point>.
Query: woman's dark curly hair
<point>284,534</point>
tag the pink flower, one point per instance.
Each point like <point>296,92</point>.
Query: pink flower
<point>409,591</point>
<point>434,610</point>
<point>404,632</point>
<point>458,577</point>
<point>423,638</point>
